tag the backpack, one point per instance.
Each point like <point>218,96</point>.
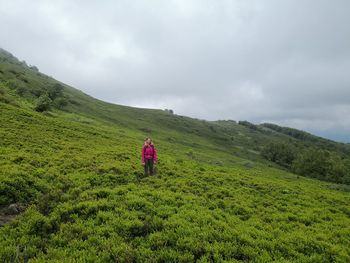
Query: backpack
<point>152,146</point>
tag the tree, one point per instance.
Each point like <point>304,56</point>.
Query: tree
<point>281,153</point>
<point>34,68</point>
<point>248,125</point>
<point>55,91</point>
<point>312,162</point>
<point>60,102</point>
<point>322,165</point>
<point>44,103</point>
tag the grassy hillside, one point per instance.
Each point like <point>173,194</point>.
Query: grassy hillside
<point>74,173</point>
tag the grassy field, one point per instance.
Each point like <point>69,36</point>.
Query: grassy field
<point>76,176</point>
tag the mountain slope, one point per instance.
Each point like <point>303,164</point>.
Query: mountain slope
<point>75,173</point>
<point>241,139</point>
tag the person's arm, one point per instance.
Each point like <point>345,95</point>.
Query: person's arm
<point>143,155</point>
<point>155,154</point>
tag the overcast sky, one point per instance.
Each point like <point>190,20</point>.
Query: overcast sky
<point>286,62</point>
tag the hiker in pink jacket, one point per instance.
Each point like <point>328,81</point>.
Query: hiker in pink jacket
<point>149,156</point>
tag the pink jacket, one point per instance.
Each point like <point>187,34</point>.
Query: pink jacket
<point>149,152</point>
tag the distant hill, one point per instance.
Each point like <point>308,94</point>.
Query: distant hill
<point>72,187</point>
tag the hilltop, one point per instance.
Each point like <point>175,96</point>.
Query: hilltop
<point>71,165</point>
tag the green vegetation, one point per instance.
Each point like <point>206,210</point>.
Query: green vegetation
<point>281,153</point>
<point>75,169</point>
<point>323,165</point>
<point>310,161</point>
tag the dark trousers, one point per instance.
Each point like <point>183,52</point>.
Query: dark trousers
<point>149,166</point>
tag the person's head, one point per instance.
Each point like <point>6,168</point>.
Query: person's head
<point>148,141</point>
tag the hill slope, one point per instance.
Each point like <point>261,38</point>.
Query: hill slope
<point>74,173</point>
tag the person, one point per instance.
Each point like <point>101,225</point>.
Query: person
<point>149,156</point>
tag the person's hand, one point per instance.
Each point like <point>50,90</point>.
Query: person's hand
<point>155,162</point>
<point>142,163</point>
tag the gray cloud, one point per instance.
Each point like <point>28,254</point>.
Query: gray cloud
<point>279,61</point>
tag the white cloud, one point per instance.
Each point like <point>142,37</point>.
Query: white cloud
<point>277,61</point>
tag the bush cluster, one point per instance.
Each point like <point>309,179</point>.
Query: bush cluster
<point>88,201</point>
<point>310,162</point>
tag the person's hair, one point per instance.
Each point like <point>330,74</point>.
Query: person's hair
<point>147,139</point>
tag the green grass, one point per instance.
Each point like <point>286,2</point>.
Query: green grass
<point>77,172</point>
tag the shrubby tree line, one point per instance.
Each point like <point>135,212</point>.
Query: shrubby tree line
<point>311,161</point>
<point>301,135</point>
<point>248,124</point>
<point>281,153</point>
<point>52,98</point>
<point>45,99</point>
